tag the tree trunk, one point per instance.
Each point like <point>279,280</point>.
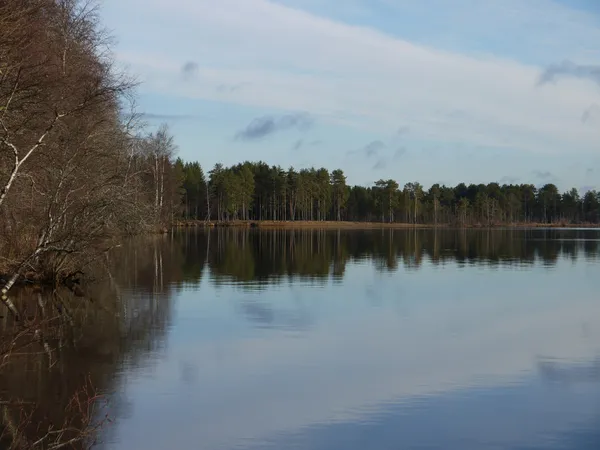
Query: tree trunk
<point>11,179</point>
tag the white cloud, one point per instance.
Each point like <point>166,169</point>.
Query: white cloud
<point>292,60</point>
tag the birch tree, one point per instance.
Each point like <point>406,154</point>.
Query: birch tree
<point>159,149</point>
<point>64,188</point>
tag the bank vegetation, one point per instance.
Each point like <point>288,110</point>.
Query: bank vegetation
<point>77,168</point>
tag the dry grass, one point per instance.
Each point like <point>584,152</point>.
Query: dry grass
<point>289,224</point>
<point>336,225</point>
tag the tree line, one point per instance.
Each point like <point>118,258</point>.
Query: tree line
<point>258,191</point>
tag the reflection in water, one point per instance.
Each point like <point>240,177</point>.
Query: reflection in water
<point>571,373</point>
<point>261,256</point>
<point>121,320</point>
<point>253,339</point>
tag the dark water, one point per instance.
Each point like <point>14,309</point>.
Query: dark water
<point>345,340</point>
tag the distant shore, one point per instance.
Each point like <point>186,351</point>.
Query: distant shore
<point>315,224</point>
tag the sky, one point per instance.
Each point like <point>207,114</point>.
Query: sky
<point>434,91</point>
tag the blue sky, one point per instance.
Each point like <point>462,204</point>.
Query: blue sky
<point>434,91</point>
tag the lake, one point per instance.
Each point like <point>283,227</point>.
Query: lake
<point>353,340</point>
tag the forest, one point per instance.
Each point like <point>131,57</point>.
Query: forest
<point>257,191</point>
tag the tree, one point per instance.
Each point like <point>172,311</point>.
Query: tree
<point>217,187</point>
<point>435,194</point>
<point>323,191</point>
<point>68,173</point>
<point>415,192</point>
<point>387,191</point>
<point>247,185</point>
<point>570,202</point>
<point>529,195</point>
<point>340,191</point>
<point>482,204</point>
<point>292,182</point>
<point>549,197</point>
<point>195,190</point>
<point>59,77</point>
<point>159,149</point>
<point>463,208</point>
<point>591,206</point>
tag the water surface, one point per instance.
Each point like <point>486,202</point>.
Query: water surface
<point>379,339</point>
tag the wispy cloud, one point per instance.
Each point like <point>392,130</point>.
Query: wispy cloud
<point>381,164</point>
<point>189,70</point>
<point>508,180</point>
<point>455,114</point>
<point>569,69</point>
<point>399,153</point>
<point>264,126</point>
<point>544,176</point>
<point>590,113</point>
<point>372,148</point>
<point>402,130</point>
<point>298,144</point>
<point>166,117</point>
<point>230,88</point>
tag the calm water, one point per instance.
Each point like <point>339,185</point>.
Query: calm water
<point>349,340</point>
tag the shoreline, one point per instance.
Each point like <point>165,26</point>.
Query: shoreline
<point>314,224</point>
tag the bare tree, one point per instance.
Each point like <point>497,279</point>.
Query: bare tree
<point>71,183</point>
<point>159,149</point>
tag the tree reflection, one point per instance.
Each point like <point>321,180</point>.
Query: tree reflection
<point>72,347</point>
<point>259,257</point>
<point>570,373</point>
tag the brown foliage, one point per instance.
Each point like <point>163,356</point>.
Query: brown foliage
<point>66,184</point>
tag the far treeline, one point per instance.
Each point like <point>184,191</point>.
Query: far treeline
<point>257,191</point>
